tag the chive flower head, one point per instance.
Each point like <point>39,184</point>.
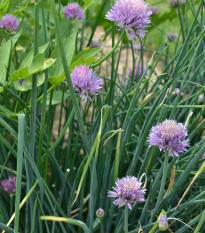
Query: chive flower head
<point>128,190</point>
<point>85,81</point>
<point>73,10</point>
<point>9,22</point>
<point>169,135</point>
<point>9,185</point>
<point>133,15</point>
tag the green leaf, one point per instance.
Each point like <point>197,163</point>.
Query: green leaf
<point>29,57</point>
<point>17,6</point>
<point>40,63</point>
<point>4,7</point>
<point>87,53</point>
<point>5,110</point>
<point>56,80</point>
<point>5,51</point>
<point>19,74</point>
<point>69,45</point>
<point>82,60</point>
<point>57,97</point>
<point>27,83</point>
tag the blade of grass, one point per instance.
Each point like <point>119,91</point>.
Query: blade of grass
<point>43,116</point>
<point>21,125</point>
<point>67,220</point>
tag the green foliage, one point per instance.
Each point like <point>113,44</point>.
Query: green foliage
<point>57,97</point>
<point>5,51</point>
<point>56,72</point>
<point>67,153</point>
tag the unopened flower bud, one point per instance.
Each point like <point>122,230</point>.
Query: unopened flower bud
<point>163,224</point>
<point>171,36</point>
<point>100,213</point>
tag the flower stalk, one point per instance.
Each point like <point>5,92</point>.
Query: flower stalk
<point>163,181</point>
<point>126,219</point>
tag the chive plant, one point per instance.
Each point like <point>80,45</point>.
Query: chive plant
<point>102,106</point>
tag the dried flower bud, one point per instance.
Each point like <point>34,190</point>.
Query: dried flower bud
<point>100,213</point>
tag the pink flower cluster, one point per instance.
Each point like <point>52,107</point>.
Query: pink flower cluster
<point>128,190</point>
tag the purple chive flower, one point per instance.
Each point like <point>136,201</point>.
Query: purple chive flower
<point>174,3</point>
<point>154,10</point>
<point>9,22</point>
<point>138,71</point>
<point>95,43</point>
<point>100,213</point>
<point>171,36</point>
<point>127,191</point>
<point>163,224</point>
<point>9,185</point>
<point>73,10</point>
<point>85,81</point>
<point>169,135</point>
<point>176,92</point>
<point>133,15</point>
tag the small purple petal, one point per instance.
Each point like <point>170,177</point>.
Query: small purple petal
<point>154,10</point>
<point>176,91</point>
<point>21,81</point>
